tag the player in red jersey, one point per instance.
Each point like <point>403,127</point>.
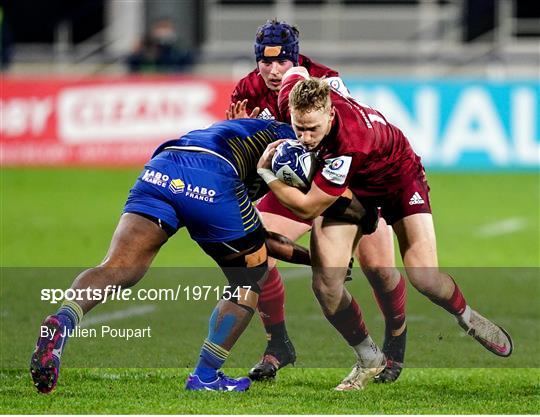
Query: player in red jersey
<point>276,51</point>
<point>360,150</point>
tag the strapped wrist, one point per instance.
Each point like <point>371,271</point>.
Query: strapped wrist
<point>267,175</point>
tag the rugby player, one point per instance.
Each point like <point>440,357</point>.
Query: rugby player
<point>200,181</point>
<point>255,95</point>
<point>361,150</point>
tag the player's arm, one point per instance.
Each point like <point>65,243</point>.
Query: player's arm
<point>239,110</point>
<point>347,208</point>
<point>306,206</point>
<point>239,107</point>
<point>290,78</point>
<point>284,249</point>
<point>335,201</point>
<point>339,85</point>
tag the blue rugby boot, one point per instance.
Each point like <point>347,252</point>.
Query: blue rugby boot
<point>221,383</point>
<point>45,361</point>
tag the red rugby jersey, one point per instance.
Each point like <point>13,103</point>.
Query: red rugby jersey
<point>253,88</point>
<point>363,151</point>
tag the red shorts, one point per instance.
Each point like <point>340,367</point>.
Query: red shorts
<point>411,198</point>
<point>270,204</point>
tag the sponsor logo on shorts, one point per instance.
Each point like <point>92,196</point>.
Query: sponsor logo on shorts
<point>416,199</point>
<point>177,186</point>
<point>200,193</point>
<point>155,177</point>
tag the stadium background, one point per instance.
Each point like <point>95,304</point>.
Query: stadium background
<point>460,77</point>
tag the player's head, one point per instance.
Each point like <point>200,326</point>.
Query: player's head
<point>311,110</point>
<point>276,50</point>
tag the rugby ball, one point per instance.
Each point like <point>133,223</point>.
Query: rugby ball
<point>293,164</point>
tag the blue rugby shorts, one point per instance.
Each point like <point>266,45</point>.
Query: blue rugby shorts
<point>196,190</point>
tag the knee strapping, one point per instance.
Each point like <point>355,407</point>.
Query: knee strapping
<point>245,263</point>
<point>245,273</point>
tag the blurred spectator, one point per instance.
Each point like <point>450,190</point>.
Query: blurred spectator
<point>159,51</point>
<point>5,42</point>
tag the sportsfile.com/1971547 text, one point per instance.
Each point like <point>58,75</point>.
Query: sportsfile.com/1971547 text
<point>117,293</point>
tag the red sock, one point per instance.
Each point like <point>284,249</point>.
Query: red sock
<point>392,304</point>
<point>272,299</point>
<point>456,304</point>
<point>350,324</point>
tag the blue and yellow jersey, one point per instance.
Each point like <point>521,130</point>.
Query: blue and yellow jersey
<point>240,142</point>
<point>207,179</point>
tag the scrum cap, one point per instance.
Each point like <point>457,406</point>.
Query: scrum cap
<point>277,40</point>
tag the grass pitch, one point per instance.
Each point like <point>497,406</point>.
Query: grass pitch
<point>487,226</point>
<point>296,391</point>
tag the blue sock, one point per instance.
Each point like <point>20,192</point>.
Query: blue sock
<point>213,355</point>
<point>211,358</point>
<point>69,314</point>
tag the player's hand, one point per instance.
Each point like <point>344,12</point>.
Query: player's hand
<point>238,110</point>
<point>266,158</point>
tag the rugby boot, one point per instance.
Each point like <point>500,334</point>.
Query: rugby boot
<point>276,356</point>
<point>394,350</point>
<point>221,383</point>
<point>362,373</point>
<point>493,337</point>
<point>45,361</point>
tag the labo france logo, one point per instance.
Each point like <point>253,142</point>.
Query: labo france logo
<point>200,193</point>
<point>177,186</point>
<point>155,177</point>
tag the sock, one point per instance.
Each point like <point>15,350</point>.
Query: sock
<point>70,314</point>
<point>466,315</point>
<point>213,355</point>
<point>272,306</point>
<point>456,304</point>
<point>368,352</point>
<point>392,305</point>
<point>350,324</point>
<point>211,358</point>
<point>276,333</point>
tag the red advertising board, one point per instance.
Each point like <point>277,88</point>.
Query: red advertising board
<point>102,121</point>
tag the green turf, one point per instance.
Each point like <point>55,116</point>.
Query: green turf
<point>67,216</point>
<point>297,391</point>
<point>52,219</point>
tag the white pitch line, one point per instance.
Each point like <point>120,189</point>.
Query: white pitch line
<point>502,227</point>
<point>118,315</point>
<point>316,317</point>
<point>296,273</point>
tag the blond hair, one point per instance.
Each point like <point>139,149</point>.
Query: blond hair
<point>311,94</point>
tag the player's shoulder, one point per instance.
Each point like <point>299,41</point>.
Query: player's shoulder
<point>353,123</point>
<point>252,85</point>
<point>316,69</point>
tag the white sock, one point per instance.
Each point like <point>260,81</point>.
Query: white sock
<point>368,352</point>
<point>466,315</point>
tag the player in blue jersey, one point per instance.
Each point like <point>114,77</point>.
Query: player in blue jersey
<point>200,181</point>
